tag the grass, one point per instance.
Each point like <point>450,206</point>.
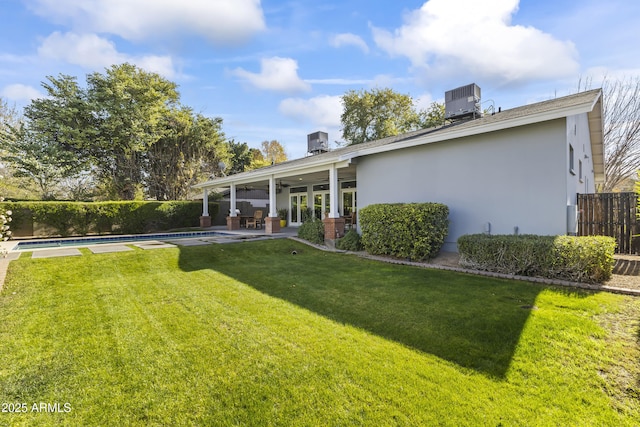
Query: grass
<point>249,334</point>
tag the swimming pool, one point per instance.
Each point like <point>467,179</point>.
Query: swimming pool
<point>85,241</point>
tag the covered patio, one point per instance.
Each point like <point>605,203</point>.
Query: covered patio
<point>323,186</point>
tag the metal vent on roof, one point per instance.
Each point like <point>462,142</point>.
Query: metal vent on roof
<point>462,102</point>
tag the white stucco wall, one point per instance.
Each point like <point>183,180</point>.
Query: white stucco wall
<point>511,178</point>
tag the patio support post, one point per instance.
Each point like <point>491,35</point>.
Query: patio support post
<point>334,191</point>
<point>232,200</point>
<point>233,220</point>
<point>205,219</point>
<point>273,211</point>
<point>333,224</point>
<point>272,221</point>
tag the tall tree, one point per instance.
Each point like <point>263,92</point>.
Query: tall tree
<point>37,147</point>
<point>10,185</point>
<point>273,152</point>
<point>9,115</point>
<point>621,130</point>
<point>189,149</point>
<point>109,125</point>
<point>127,129</point>
<point>62,117</point>
<point>240,158</point>
<point>621,133</point>
<point>431,117</point>
<point>636,188</point>
<point>257,159</point>
<point>128,105</point>
<point>375,114</point>
<point>38,157</point>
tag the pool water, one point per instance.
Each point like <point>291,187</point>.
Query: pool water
<point>85,241</point>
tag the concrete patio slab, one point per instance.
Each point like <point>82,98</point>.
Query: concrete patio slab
<point>52,253</point>
<point>153,244</point>
<point>188,242</point>
<point>105,249</point>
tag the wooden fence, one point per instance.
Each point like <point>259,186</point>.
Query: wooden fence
<point>611,214</point>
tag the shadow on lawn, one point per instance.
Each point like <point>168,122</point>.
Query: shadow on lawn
<point>472,321</point>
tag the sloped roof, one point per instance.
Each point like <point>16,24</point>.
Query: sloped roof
<point>584,102</point>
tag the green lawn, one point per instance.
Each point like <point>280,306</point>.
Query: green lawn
<point>249,334</point>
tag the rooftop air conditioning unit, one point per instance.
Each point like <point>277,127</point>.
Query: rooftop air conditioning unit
<point>318,142</point>
<point>462,102</point>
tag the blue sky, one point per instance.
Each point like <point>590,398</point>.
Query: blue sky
<point>276,69</point>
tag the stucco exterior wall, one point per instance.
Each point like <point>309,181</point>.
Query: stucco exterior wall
<point>511,178</point>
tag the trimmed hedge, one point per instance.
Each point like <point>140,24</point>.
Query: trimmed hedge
<point>582,259</point>
<point>350,242</point>
<point>411,230</point>
<point>312,231</point>
<point>79,218</point>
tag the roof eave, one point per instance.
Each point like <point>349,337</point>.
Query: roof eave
<point>276,171</point>
<point>585,107</point>
<point>596,126</point>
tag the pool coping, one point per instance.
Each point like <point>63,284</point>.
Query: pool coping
<point>12,245</point>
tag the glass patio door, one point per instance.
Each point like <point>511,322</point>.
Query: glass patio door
<point>297,205</point>
<point>349,204</point>
<point>321,205</point>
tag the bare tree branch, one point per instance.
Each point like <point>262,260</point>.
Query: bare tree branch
<point>621,105</point>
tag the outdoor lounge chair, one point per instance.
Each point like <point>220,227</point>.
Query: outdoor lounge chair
<point>256,220</point>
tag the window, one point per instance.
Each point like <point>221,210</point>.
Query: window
<point>571,161</point>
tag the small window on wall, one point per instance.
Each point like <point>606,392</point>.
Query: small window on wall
<point>571,160</point>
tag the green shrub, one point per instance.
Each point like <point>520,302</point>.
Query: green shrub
<point>5,233</point>
<point>584,259</point>
<point>524,255</point>
<point>58,215</point>
<point>179,214</point>
<point>138,217</point>
<point>313,231</point>
<point>350,242</point>
<point>412,230</point>
<point>581,259</point>
<point>78,218</point>
<point>19,214</point>
<point>106,217</point>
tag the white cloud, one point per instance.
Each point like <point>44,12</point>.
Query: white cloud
<point>93,52</point>
<point>322,110</point>
<point>597,75</point>
<point>20,93</point>
<point>340,81</point>
<point>475,37</point>
<point>348,39</point>
<point>221,21</point>
<point>277,74</point>
<point>424,101</point>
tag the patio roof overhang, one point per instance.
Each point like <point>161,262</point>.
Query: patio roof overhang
<point>286,174</point>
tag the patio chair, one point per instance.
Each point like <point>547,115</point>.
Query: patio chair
<point>256,220</point>
<point>350,221</point>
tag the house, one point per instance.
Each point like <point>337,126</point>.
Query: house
<point>515,171</point>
